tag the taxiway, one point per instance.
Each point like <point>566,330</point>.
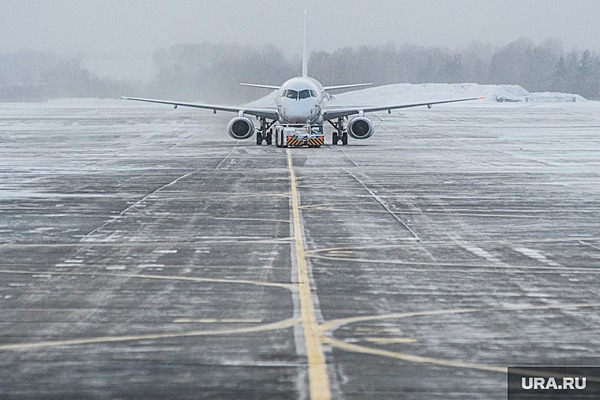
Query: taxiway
<point>144,254</point>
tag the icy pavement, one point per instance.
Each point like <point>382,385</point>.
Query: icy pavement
<point>145,253</point>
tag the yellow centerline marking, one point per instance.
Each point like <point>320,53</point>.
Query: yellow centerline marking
<point>380,340</point>
<point>157,277</point>
<point>408,357</point>
<point>217,321</point>
<point>332,325</point>
<point>317,368</point>
<point>130,338</point>
<point>435,361</point>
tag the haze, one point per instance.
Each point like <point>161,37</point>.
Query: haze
<point>136,28</point>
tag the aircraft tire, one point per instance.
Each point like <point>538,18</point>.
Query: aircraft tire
<point>345,138</point>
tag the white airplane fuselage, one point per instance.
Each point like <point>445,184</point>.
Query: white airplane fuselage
<point>299,102</point>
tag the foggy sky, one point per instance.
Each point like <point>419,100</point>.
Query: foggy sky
<point>138,27</point>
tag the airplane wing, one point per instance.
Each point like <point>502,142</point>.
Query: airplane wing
<point>354,85</point>
<point>259,112</point>
<point>344,112</point>
<point>260,86</point>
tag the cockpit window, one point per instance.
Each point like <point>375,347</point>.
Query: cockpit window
<point>298,95</point>
<point>291,94</point>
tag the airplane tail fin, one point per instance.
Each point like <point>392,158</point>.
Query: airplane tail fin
<point>305,51</point>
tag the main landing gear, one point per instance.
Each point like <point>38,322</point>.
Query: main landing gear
<point>340,134</point>
<point>266,137</point>
<point>264,133</point>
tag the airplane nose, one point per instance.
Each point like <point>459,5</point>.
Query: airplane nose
<point>297,115</point>
<point>300,111</point>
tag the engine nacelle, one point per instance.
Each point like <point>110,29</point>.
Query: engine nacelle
<point>240,128</point>
<point>360,128</point>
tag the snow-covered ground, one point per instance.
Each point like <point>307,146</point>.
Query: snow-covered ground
<point>409,93</point>
<point>381,95</point>
<point>406,92</point>
<point>503,198</point>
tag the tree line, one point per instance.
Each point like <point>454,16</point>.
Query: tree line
<point>34,76</point>
<point>212,72</point>
<point>537,68</point>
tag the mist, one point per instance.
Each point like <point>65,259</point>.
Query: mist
<point>201,50</point>
<point>212,72</point>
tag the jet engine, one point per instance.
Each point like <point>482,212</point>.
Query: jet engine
<point>240,128</point>
<point>360,128</point>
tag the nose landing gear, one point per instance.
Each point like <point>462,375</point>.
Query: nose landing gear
<point>264,133</point>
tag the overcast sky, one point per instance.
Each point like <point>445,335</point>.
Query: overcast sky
<point>137,27</point>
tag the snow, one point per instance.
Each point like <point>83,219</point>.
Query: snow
<point>411,93</point>
<point>67,103</point>
<point>416,93</point>
<point>373,96</point>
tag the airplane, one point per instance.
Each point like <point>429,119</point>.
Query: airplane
<point>300,103</point>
